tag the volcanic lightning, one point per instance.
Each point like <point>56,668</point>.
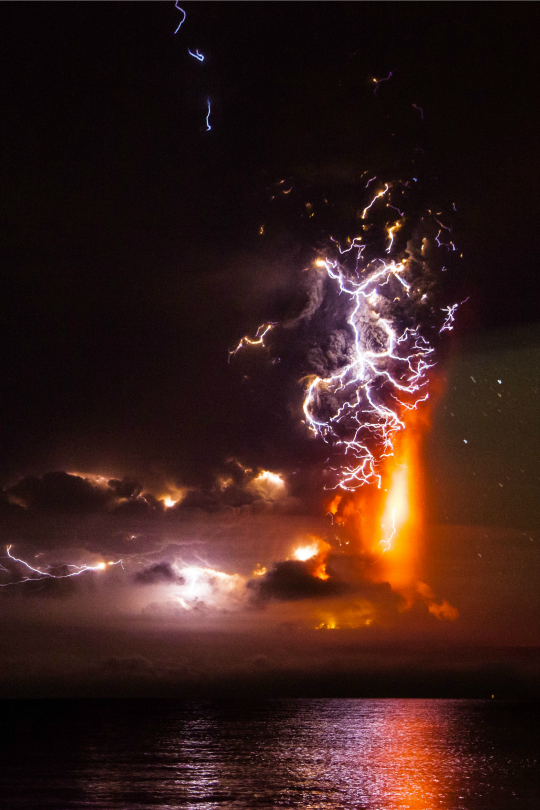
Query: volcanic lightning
<point>183,18</point>
<point>359,407</point>
<point>258,340</point>
<point>367,374</point>
<point>78,570</point>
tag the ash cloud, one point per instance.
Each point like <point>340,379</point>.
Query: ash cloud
<point>162,572</point>
<point>293,580</point>
<point>100,514</point>
<point>58,492</point>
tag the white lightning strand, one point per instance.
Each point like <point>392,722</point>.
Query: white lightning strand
<point>359,408</point>
<point>79,569</point>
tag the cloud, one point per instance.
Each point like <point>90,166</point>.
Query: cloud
<point>294,580</point>
<point>58,492</point>
<point>290,580</point>
<point>159,573</point>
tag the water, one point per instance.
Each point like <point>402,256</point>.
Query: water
<point>310,754</point>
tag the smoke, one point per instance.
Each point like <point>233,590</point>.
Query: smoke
<point>160,572</point>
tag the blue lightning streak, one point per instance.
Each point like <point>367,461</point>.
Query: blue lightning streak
<point>197,55</point>
<point>208,127</point>
<point>183,18</point>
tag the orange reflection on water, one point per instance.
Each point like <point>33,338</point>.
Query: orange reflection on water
<point>409,760</point>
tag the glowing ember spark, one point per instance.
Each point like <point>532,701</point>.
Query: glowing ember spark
<point>183,18</point>
<point>79,569</point>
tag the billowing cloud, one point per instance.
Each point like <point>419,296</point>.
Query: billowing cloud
<point>58,492</point>
<point>160,572</point>
<point>290,580</point>
<point>341,580</point>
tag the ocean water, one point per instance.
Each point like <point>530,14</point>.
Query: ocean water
<point>311,754</point>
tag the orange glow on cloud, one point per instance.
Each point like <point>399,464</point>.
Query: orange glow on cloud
<point>316,551</point>
<point>304,553</point>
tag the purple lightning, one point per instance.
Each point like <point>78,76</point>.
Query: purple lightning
<point>183,18</point>
<point>378,81</point>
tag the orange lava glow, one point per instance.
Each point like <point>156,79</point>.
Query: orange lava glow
<point>384,525</point>
<point>315,553</point>
<point>399,524</point>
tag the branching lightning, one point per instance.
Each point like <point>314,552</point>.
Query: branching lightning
<point>378,81</point>
<point>258,340</point>
<point>388,540</point>
<point>359,407</point>
<point>196,55</point>
<point>41,574</point>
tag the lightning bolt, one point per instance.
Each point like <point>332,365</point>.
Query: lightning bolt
<point>388,539</point>
<point>79,569</point>
<point>183,18</point>
<point>378,81</point>
<point>359,408</point>
<point>258,340</point>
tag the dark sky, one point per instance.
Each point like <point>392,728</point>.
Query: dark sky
<point>132,261</point>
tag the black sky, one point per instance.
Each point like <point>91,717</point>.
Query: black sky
<point>132,259</point>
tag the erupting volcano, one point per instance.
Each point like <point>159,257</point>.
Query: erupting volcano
<point>374,325</point>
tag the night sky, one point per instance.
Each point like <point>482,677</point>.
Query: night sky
<point>138,247</point>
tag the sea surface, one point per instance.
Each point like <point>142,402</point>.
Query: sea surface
<point>311,754</point>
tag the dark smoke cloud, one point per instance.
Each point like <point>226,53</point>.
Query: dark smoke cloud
<point>155,574</point>
<point>58,492</point>
<point>292,580</point>
<point>126,488</point>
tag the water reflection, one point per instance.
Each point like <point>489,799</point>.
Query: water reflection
<point>409,763</point>
<point>309,754</point>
